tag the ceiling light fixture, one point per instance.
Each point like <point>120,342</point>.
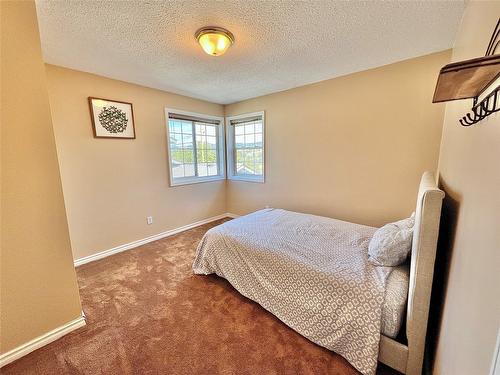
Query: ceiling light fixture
<point>214,40</point>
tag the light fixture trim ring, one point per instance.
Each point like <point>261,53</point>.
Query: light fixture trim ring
<point>214,29</point>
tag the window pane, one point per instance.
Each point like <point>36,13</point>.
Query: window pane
<point>206,156</point>
<point>245,161</point>
<point>239,168</point>
<point>240,156</point>
<point>249,128</point>
<point>188,155</point>
<point>250,162</point>
<point>206,145</point>
<point>239,129</point>
<point>174,126</point>
<point>178,170</point>
<point>203,144</point>
<point>177,163</point>
<point>189,170</point>
<point>202,169</point>
<point>177,156</point>
<point>249,140</point>
<point>200,155</point>
<point>187,138</point>
<point>240,141</point>
<point>258,169</point>
<point>258,156</point>
<point>187,127</point>
<point>212,169</point>
<point>258,140</point>
<point>200,141</point>
<point>211,142</point>
<point>258,127</point>
<point>211,130</point>
<point>175,141</point>
<point>259,162</point>
<point>211,156</point>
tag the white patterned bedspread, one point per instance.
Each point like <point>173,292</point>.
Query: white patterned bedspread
<point>311,272</point>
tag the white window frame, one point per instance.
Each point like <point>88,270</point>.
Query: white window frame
<point>231,167</point>
<point>220,151</point>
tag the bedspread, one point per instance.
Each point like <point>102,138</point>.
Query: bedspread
<point>311,272</point>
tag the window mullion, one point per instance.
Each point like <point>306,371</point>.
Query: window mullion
<point>217,146</point>
<point>195,149</point>
<point>235,150</point>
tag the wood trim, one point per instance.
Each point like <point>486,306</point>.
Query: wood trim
<point>90,98</point>
<point>42,340</point>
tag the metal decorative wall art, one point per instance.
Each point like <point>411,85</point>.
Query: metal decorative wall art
<point>488,105</point>
<point>111,118</point>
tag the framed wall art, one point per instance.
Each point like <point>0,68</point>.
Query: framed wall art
<point>112,118</point>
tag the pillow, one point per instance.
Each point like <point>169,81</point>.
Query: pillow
<point>391,244</point>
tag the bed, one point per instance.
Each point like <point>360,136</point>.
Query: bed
<point>313,273</point>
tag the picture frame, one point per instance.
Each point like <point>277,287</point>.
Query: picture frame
<point>111,118</point>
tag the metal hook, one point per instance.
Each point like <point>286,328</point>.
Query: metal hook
<point>465,122</point>
<point>482,109</point>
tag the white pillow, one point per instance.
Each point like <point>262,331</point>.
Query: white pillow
<point>391,244</point>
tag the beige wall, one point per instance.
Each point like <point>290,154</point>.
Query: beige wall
<point>352,147</point>
<point>38,282</point>
<point>111,185</point>
<point>470,173</point>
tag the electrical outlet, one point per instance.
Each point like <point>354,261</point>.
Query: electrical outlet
<point>149,220</point>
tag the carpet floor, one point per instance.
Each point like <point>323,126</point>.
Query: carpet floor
<point>147,313</point>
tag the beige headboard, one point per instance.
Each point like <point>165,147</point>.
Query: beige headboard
<point>425,235</point>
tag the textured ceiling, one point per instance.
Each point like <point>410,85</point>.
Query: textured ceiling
<point>279,45</point>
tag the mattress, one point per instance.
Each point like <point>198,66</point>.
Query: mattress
<point>396,298</point>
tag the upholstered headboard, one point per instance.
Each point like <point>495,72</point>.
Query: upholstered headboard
<point>423,254</point>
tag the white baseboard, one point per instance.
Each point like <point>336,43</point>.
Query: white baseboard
<point>40,341</point>
<point>155,237</point>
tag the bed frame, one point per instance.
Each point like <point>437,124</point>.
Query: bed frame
<point>408,359</point>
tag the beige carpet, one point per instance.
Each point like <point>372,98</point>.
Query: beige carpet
<point>148,314</point>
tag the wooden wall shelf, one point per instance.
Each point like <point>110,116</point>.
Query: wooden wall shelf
<point>469,79</point>
<point>466,79</point>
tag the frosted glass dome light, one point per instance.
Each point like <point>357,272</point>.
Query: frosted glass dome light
<point>214,40</point>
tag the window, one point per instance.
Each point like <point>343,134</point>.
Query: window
<point>245,137</point>
<point>195,147</point>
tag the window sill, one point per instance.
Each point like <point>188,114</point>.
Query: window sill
<point>259,179</point>
<point>195,180</point>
